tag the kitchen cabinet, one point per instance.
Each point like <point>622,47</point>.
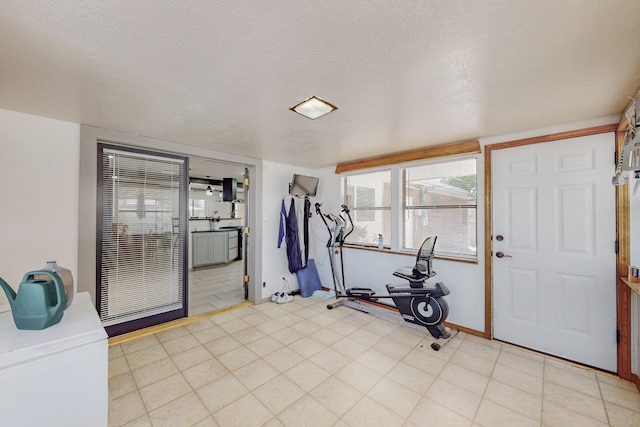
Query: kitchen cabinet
<point>56,376</point>
<point>210,248</point>
<point>233,245</point>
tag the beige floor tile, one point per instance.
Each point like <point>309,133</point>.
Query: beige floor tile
<point>221,392</point>
<point>192,357</point>
<point>126,408</point>
<point>164,391</point>
<point>306,327</point>
<point>392,348</point>
<point>204,373</point>
<point>139,344</point>
<point>182,412</point>
<point>207,335</point>
<point>264,346</point>
<point>143,421</point>
<point>121,385</point>
<point>286,335</point>
<point>364,337</point>
<point>180,344</point>
<point>568,366</point>
<point>622,417</point>
<point>270,327</point>
<point>289,319</point>
<point>359,376</point>
<point>306,411</point>
<point>306,347</point>
<point>248,335</point>
<point>237,358</point>
<point>521,363</point>
<point>465,378</point>
<point>222,345</point>
<point>233,326</point>
<point>570,379</point>
<point>521,380</point>
<point>278,393</point>
<point>394,397</point>
<point>207,422</point>
<point>283,359</point>
<point>148,355</point>
<point>377,361</point>
<point>575,401</point>
<point>349,348</point>
<point>330,360</point>
<point>368,413</point>
<point>491,414</point>
<point>480,347</point>
<point>454,397</point>
<point>430,413</point>
<point>473,363</point>
<point>306,375</point>
<point>515,399</point>
<point>621,397</point>
<point>406,336</point>
<point>171,334</point>
<point>616,381</point>
<point>336,395</point>
<point>244,412</point>
<point>255,374</point>
<point>425,362</point>
<point>155,371</point>
<point>118,366</point>
<point>115,351</point>
<point>382,327</point>
<point>326,336</point>
<point>413,378</point>
<point>554,415</point>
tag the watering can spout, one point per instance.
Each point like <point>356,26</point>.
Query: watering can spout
<point>9,292</point>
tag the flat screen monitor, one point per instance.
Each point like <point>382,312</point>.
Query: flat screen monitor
<point>303,185</point>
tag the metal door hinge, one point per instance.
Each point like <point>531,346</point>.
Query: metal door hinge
<point>247,230</point>
<point>246,278</point>
<point>618,336</point>
<point>617,246</point>
<point>247,181</point>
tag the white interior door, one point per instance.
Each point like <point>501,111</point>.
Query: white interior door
<point>554,287</point>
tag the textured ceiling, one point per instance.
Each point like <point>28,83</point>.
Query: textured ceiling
<point>404,74</point>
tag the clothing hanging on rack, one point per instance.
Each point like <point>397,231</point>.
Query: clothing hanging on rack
<point>307,215</point>
<point>283,224</point>
<point>293,246</point>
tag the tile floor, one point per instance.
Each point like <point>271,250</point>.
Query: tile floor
<point>215,288</point>
<point>299,364</point>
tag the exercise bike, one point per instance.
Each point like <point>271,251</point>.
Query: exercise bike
<point>418,303</point>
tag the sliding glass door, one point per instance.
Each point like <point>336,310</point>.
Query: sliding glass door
<point>142,225</point>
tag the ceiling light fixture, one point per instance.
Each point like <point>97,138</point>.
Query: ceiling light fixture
<point>209,190</point>
<point>313,107</point>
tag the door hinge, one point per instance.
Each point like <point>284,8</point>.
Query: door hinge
<point>617,246</point>
<point>246,278</point>
<point>615,157</point>
<point>246,230</point>
<point>247,181</point>
<point>617,336</point>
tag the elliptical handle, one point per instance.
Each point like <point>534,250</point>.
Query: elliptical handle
<point>346,210</point>
<point>318,211</point>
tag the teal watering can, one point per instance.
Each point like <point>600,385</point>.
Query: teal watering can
<point>39,303</point>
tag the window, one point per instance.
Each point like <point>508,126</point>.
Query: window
<point>408,203</point>
<point>440,200</point>
<point>368,197</point>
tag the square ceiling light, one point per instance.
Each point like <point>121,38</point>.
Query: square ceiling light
<point>313,107</point>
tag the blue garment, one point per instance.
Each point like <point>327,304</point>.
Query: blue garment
<point>283,224</point>
<point>293,246</point>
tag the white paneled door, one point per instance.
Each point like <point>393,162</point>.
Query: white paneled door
<point>554,277</point>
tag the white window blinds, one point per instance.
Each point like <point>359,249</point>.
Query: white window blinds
<point>141,256</point>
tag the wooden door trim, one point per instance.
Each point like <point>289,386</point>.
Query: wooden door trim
<point>622,233</point>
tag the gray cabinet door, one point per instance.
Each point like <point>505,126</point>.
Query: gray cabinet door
<point>202,249</point>
<point>219,247</point>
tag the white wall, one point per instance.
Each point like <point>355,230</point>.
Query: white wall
<point>39,191</point>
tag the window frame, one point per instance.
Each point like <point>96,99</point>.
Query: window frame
<point>395,242</point>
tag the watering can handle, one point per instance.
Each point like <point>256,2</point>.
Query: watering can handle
<point>60,295</point>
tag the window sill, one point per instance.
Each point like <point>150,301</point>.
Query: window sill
<point>389,251</point>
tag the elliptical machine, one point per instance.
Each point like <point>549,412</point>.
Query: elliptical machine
<point>418,304</point>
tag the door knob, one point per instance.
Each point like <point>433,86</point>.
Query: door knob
<point>502,255</point>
